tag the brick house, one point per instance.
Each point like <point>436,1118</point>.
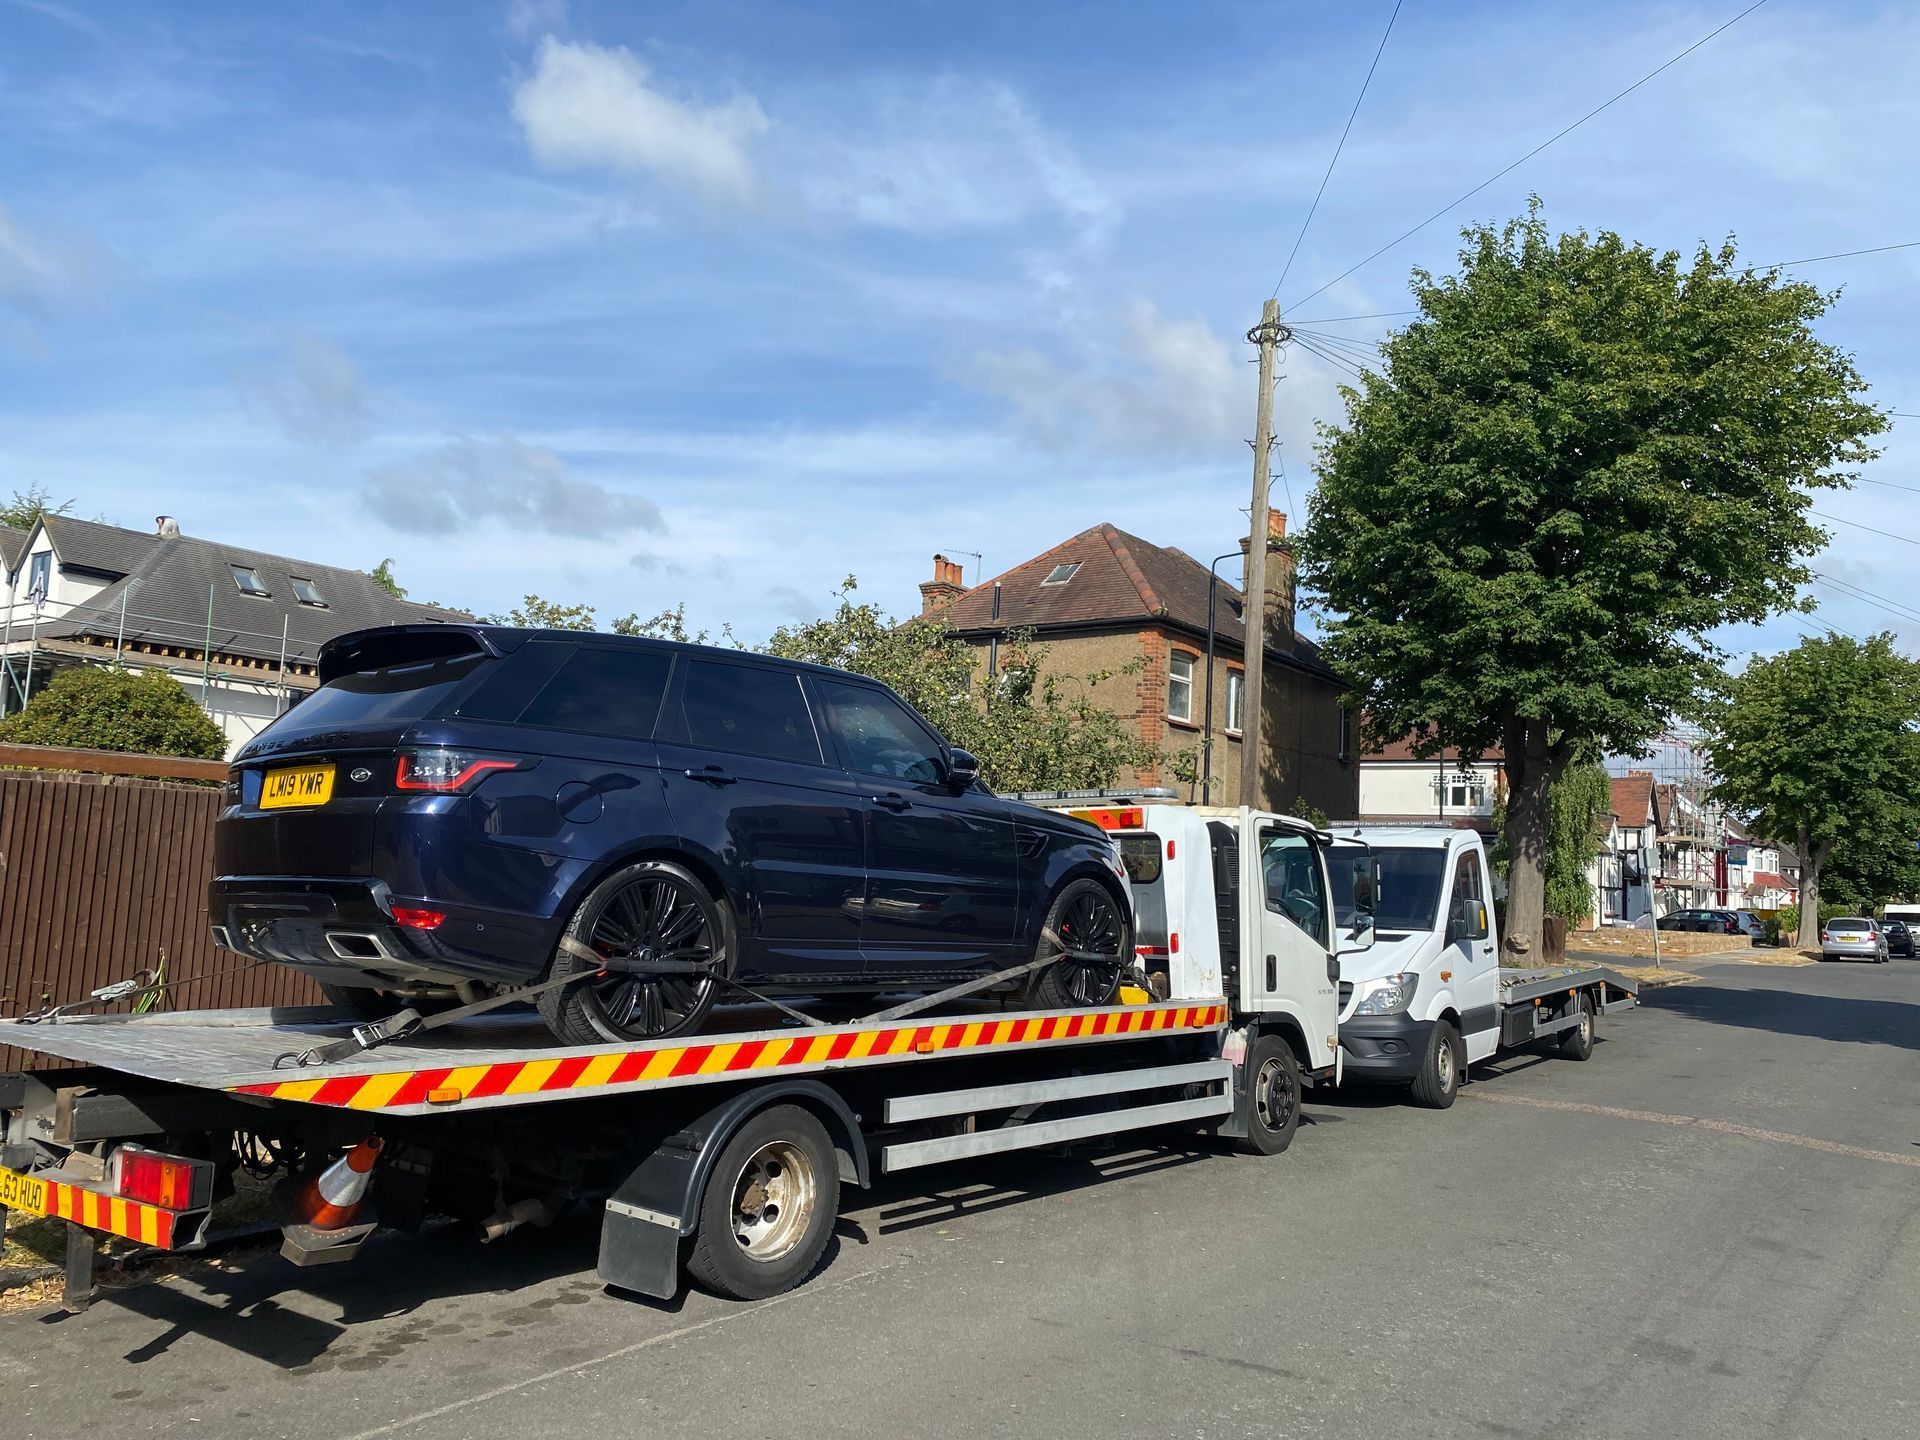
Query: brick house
<point>1443,788</point>
<point>1105,600</point>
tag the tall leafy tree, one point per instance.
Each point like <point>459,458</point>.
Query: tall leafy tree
<point>1581,459</point>
<point>1819,745</point>
<point>382,575</point>
<point>28,505</point>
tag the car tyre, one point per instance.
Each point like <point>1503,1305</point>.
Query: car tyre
<point>1087,917</point>
<point>1437,1084</point>
<point>769,1206</point>
<point>648,910</point>
<point>1273,1096</point>
<point>1577,1043</point>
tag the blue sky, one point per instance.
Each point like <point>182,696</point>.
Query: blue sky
<point>721,302</point>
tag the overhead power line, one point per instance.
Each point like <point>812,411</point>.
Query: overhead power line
<point>1865,596</point>
<point>1557,135</point>
<point>1311,209</point>
<point>1874,529</point>
<point>1336,319</point>
<point>1839,254</point>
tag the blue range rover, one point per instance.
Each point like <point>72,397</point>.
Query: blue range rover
<point>463,808</point>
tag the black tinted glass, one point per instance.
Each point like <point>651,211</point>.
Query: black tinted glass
<point>879,736</point>
<point>387,694</point>
<point>601,692</point>
<point>1409,888</point>
<point>746,710</point>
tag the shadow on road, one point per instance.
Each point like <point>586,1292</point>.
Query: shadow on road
<point>1794,1012</point>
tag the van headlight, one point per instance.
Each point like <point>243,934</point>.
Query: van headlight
<point>1389,995</point>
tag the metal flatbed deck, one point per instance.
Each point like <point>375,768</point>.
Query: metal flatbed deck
<point>511,1059</point>
<point>1520,987</point>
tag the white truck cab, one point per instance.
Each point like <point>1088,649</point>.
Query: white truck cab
<point>1425,1001</point>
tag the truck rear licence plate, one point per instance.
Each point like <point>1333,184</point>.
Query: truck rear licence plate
<point>303,785</point>
<point>22,1192</point>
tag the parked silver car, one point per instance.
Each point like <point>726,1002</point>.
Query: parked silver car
<point>1853,938</point>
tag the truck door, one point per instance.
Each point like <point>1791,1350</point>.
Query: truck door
<point>1476,973</point>
<point>1285,963</point>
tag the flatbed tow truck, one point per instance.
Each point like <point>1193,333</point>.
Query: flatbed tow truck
<point>722,1153</point>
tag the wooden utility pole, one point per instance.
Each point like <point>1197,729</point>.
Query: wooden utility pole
<point>1268,335</point>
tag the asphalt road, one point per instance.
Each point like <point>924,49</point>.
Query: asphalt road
<point>1712,1228</point>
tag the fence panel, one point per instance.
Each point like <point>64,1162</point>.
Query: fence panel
<point>101,876</point>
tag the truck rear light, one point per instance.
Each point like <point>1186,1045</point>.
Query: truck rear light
<point>163,1180</point>
<point>446,771</point>
<point>416,918</point>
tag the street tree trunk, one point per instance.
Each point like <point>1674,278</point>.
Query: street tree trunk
<point>1813,859</point>
<point>1532,766</point>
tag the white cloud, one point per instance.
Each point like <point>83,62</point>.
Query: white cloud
<point>469,481</point>
<point>317,398</point>
<point>528,18</point>
<point>587,106</point>
<point>1158,383</point>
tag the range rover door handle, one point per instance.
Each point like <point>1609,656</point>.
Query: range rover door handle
<point>713,775</point>
<point>893,801</point>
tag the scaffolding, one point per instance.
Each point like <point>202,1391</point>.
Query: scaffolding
<point>1690,856</point>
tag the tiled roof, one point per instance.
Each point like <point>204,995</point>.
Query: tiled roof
<point>1119,578</point>
<point>166,582</point>
<point>1633,797</point>
<point>12,544</point>
<point>1402,749</point>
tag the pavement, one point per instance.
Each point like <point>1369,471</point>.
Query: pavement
<point>1711,1228</point>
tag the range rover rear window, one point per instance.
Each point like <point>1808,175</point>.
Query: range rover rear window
<point>387,694</point>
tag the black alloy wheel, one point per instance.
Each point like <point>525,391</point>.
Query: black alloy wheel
<point>1093,934</point>
<point>651,947</point>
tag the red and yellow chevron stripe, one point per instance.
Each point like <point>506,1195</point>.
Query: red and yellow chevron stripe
<point>406,1089</point>
<point>149,1224</point>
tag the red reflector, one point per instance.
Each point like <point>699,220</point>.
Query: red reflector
<point>1169,849</point>
<point>1173,943</point>
<point>153,1179</point>
<point>415,919</point>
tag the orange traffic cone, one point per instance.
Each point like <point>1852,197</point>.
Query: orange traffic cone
<point>331,1199</point>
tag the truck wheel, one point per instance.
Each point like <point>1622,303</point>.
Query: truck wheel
<point>1084,918</point>
<point>1439,1079</point>
<point>653,912</point>
<point>769,1206</point>
<point>1577,1043</point>
<point>1273,1096</point>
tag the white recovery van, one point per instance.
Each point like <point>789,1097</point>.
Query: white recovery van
<point>1430,997</point>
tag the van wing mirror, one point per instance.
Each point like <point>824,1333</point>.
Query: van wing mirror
<point>1359,935</point>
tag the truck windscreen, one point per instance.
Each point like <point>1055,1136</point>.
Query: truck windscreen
<point>1409,888</point>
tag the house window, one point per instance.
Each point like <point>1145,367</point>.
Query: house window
<point>1180,688</point>
<point>1346,731</point>
<point>1236,697</point>
<point>1466,795</point>
<point>40,574</point>
<point>248,579</point>
<point>1060,574</point>
<point>306,592</point>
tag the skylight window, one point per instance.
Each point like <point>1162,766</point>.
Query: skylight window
<point>306,592</point>
<point>1062,573</point>
<point>248,579</point>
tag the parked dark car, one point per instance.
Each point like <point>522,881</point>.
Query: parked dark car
<point>462,808</point>
<point>1899,938</point>
<point>1716,922</point>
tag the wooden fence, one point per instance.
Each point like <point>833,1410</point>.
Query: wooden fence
<point>105,875</point>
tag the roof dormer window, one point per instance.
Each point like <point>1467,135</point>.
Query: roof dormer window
<point>306,592</point>
<point>1062,573</point>
<point>248,579</point>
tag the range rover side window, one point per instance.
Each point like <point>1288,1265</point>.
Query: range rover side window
<point>586,689</point>
<point>748,710</point>
<point>879,737</point>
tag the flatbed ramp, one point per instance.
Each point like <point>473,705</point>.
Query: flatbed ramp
<point>511,1059</point>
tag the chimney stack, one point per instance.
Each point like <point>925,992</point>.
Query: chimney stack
<point>1279,579</point>
<point>945,587</point>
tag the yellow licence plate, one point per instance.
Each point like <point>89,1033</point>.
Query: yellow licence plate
<point>302,785</point>
<point>22,1192</point>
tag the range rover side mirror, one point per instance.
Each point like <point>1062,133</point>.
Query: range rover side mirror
<point>962,769</point>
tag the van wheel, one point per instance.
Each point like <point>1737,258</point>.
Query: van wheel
<point>1577,1043</point>
<point>1439,1079</point>
<point>769,1206</point>
<point>1273,1096</point>
<point>1093,933</point>
<point>650,946</point>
